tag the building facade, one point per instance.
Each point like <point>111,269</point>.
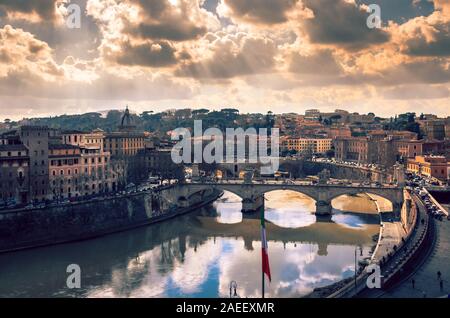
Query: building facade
<point>35,139</point>
<point>433,128</point>
<point>429,166</point>
<point>98,174</point>
<point>14,174</point>
<point>313,145</point>
<point>66,178</point>
<point>362,150</point>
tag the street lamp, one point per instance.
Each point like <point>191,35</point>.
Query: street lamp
<point>356,262</point>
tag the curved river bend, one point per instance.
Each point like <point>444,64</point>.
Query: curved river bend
<point>199,254</point>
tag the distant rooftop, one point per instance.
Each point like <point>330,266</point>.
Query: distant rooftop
<point>73,132</point>
<point>13,148</point>
<point>61,147</point>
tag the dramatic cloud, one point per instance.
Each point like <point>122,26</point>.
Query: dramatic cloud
<point>341,23</point>
<point>233,56</point>
<point>20,52</point>
<point>27,9</point>
<point>179,20</point>
<point>417,92</point>
<point>427,36</point>
<point>257,11</point>
<point>148,54</point>
<point>282,55</point>
<point>318,63</point>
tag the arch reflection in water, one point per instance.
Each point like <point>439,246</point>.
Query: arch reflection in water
<point>196,255</point>
<point>228,208</point>
<point>358,210</point>
<point>289,209</point>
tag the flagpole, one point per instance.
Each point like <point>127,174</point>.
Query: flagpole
<point>262,256</point>
<point>263,279</point>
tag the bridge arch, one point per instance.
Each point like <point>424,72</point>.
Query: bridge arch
<point>202,189</point>
<point>293,190</point>
<point>359,205</point>
<point>392,199</point>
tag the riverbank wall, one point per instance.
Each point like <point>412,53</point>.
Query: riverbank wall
<point>23,229</point>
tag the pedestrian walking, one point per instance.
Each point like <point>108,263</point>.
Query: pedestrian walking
<point>413,282</point>
<point>439,274</point>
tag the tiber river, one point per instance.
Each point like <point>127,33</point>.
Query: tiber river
<point>199,254</point>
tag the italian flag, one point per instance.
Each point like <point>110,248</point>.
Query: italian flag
<point>264,249</point>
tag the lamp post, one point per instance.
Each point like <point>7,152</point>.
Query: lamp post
<point>356,263</point>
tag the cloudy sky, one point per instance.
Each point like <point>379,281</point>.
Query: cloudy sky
<point>255,55</point>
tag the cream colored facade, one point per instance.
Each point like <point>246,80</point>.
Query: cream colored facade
<point>315,145</point>
<point>98,173</point>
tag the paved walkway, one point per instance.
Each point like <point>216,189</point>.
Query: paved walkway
<point>426,280</point>
<point>392,236</point>
<point>392,231</point>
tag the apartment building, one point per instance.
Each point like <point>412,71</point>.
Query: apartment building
<point>97,172</point>
<point>66,178</point>
<point>429,166</point>
<point>313,145</point>
<point>357,149</point>
<point>14,174</point>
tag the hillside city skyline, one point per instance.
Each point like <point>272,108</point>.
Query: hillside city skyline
<point>134,112</point>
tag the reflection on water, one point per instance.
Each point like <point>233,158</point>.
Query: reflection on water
<point>290,209</point>
<point>229,209</point>
<point>198,255</point>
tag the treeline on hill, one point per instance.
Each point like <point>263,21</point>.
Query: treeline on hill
<point>159,123</point>
<point>405,122</point>
<point>162,122</point>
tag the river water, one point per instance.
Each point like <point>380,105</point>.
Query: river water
<point>199,254</point>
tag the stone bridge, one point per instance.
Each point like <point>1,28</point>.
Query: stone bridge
<point>253,194</point>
